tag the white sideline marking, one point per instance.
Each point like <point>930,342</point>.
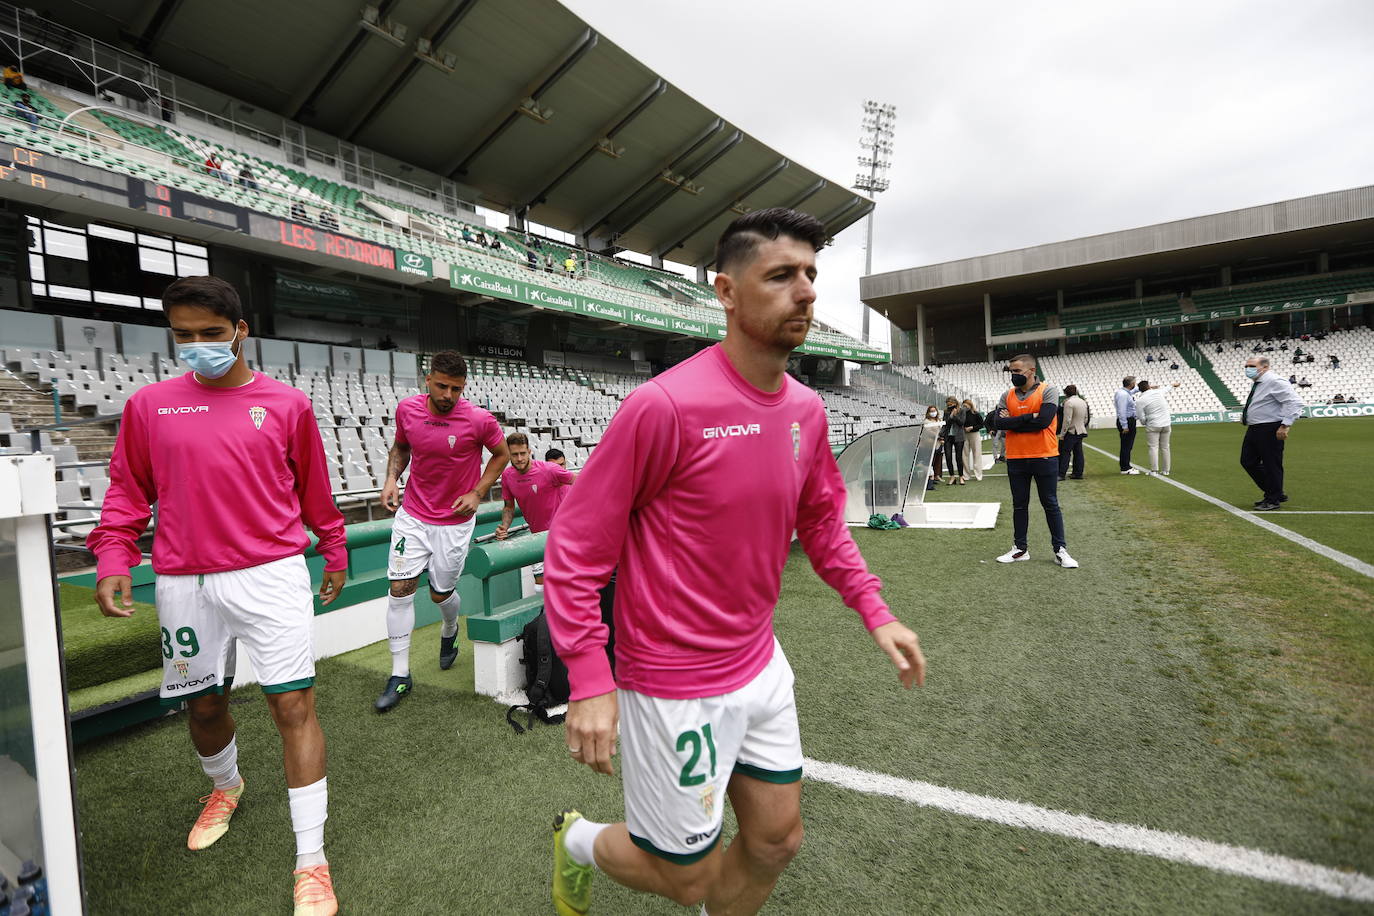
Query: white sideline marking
<point>1236,860</point>
<point>1345,559</point>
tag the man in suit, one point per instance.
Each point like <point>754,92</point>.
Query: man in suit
<point>1073,430</point>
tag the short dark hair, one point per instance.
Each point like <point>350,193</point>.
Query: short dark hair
<point>553,453</point>
<point>1070,391</point>
<point>450,363</point>
<point>737,243</point>
<point>1128,381</point>
<point>210,293</point>
<point>1143,385</point>
<point>1023,358</point>
<point>518,439</point>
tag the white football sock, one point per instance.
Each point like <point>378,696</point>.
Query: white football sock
<point>449,607</point>
<point>580,840</point>
<point>400,620</point>
<point>309,810</point>
<point>223,767</point>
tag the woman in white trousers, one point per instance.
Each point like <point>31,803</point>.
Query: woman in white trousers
<point>973,441</point>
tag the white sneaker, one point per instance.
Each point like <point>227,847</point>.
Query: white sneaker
<point>1061,556</point>
<point>1130,471</point>
<point>1015,555</point>
<point>1166,473</point>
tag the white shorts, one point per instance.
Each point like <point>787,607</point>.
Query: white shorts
<point>417,546</point>
<point>537,569</point>
<point>270,608</point>
<point>678,757</point>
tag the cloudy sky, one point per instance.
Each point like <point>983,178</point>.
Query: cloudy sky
<point>1022,123</point>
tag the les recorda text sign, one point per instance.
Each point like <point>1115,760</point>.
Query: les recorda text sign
<point>313,238</point>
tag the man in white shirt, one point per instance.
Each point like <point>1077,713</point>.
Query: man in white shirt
<point>1152,410</point>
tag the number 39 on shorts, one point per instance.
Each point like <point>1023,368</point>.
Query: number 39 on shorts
<point>692,739</point>
<point>186,639</point>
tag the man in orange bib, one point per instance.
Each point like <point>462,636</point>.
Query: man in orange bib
<point>1026,413</point>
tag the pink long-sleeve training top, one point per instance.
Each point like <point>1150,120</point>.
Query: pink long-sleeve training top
<point>234,473</point>
<point>694,493</point>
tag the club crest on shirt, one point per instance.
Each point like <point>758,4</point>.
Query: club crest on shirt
<point>258,414</point>
<point>534,487</point>
<point>796,441</point>
<point>708,799</point>
<point>451,440</point>
<point>182,668</point>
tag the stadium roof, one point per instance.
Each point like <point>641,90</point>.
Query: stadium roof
<point>605,146</point>
<point>1324,222</point>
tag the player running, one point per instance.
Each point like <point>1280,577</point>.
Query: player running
<point>234,462</point>
<point>694,492</point>
<point>538,486</point>
<point>440,437</point>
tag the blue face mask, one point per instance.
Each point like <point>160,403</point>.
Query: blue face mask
<point>211,360</point>
<point>1252,372</point>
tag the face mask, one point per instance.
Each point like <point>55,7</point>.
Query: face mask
<point>1018,379</point>
<point>211,360</point>
<point>1252,372</point>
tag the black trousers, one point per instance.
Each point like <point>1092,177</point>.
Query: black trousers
<point>1071,447</point>
<point>954,456</point>
<point>1127,443</point>
<point>1261,454</point>
<point>1045,473</point>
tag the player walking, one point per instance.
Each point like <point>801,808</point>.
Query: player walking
<point>439,437</point>
<point>234,462</point>
<point>694,492</point>
<point>538,486</point>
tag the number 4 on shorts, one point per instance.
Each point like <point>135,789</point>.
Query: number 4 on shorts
<point>400,547</point>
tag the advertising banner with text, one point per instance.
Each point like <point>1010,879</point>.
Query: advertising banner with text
<point>515,290</point>
<point>1313,411</point>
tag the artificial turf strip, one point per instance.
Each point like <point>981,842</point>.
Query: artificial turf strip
<point>1197,674</point>
<point>101,649</point>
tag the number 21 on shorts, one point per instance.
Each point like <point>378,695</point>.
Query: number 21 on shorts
<point>693,739</point>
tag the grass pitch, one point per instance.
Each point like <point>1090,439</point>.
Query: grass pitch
<point>1197,674</point>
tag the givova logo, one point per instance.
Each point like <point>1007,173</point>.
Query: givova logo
<point>731,431</point>
<point>199,408</point>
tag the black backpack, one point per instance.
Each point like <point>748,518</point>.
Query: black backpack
<point>546,677</point>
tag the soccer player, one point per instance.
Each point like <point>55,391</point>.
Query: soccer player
<point>556,456</point>
<point>694,492</point>
<point>234,462</point>
<point>440,437</point>
<point>538,486</point>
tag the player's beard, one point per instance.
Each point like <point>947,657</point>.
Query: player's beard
<point>780,336</point>
<point>438,406</point>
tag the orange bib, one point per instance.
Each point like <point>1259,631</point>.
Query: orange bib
<point>1040,443</point>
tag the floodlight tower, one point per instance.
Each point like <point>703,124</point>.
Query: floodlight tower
<point>875,156</point>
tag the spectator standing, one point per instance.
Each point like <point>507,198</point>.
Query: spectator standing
<point>1072,431</point>
<point>246,178</point>
<point>1271,409</point>
<point>933,416</point>
<point>1152,408</point>
<point>973,441</point>
<point>1125,422</point>
<point>953,434</point>
<point>1027,412</point>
